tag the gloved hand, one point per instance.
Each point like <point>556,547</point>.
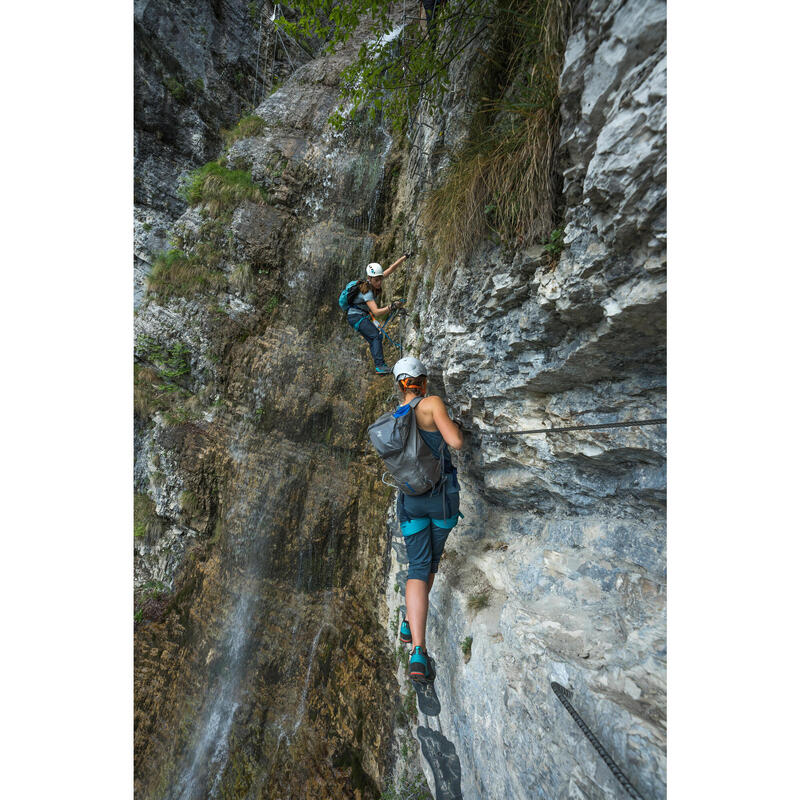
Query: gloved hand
<point>396,304</point>
<point>408,254</point>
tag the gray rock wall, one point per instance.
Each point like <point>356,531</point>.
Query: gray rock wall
<point>198,67</point>
<point>564,535</point>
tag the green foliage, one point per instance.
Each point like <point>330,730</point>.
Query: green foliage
<point>180,415</point>
<point>147,226</point>
<point>146,396</point>
<point>248,126</point>
<point>176,88</point>
<point>272,304</point>
<point>198,85</point>
<point>190,503</point>
<point>176,273</point>
<point>554,244</point>
<point>171,362</point>
<point>478,601</point>
<point>254,11</point>
<point>466,648</point>
<point>145,520</point>
<point>500,184</point>
<point>157,382</point>
<point>219,189</point>
<point>410,705</point>
<point>390,73</point>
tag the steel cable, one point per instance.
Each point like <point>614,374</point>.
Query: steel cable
<point>599,426</point>
<point>563,695</point>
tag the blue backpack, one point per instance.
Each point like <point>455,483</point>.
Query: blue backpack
<point>348,295</point>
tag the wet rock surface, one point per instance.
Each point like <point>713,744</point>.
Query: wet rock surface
<point>261,667</point>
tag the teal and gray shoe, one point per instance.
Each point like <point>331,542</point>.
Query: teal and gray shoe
<point>383,370</point>
<point>405,632</point>
<point>419,668</point>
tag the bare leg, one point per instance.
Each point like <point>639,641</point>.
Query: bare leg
<point>417,608</point>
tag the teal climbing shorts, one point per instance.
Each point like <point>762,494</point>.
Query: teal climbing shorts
<point>425,545</point>
<point>425,522</point>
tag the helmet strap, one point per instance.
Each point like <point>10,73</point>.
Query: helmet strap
<point>417,385</point>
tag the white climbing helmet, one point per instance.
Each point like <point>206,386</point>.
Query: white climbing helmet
<point>409,367</point>
<point>374,270</point>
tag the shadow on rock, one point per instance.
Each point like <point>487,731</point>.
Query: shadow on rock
<point>427,699</point>
<point>400,552</point>
<point>440,753</point>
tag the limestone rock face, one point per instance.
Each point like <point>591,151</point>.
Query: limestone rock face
<point>558,571</point>
<point>197,67</point>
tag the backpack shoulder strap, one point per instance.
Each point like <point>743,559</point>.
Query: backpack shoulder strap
<point>413,403</point>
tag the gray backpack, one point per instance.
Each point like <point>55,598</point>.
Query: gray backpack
<point>408,459</point>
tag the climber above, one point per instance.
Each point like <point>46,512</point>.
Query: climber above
<point>426,515</point>
<point>359,301</point>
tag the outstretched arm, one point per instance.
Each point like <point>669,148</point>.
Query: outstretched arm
<point>391,268</point>
<point>451,433</point>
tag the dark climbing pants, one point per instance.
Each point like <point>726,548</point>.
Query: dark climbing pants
<point>373,336</point>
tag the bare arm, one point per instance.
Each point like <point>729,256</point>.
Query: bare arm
<point>373,307</point>
<point>392,267</point>
<point>451,433</point>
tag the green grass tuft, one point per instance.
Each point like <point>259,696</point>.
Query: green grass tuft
<point>242,278</point>
<point>176,88</point>
<point>175,273</point>
<point>502,183</point>
<point>219,189</point>
<point>478,601</point>
<point>146,523</point>
<point>247,127</point>
<point>408,788</point>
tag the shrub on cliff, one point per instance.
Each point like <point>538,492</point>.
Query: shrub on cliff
<point>219,189</point>
<point>502,182</point>
<point>175,273</point>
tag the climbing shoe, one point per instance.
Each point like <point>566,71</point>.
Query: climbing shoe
<point>419,668</point>
<point>383,370</point>
<point>405,632</point>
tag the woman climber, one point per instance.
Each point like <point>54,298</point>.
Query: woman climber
<point>425,520</point>
<point>359,301</point>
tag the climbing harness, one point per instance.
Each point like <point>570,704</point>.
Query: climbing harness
<point>381,326</point>
<point>599,426</point>
<point>563,695</point>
